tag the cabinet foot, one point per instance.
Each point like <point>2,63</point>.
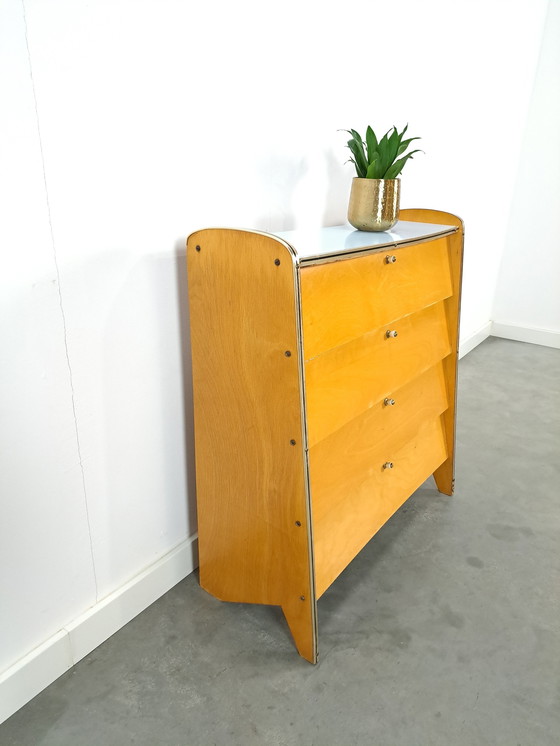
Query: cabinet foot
<point>301,618</point>
<point>444,478</point>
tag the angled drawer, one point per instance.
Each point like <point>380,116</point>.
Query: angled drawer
<point>346,381</point>
<point>346,299</point>
<point>340,461</point>
<point>364,497</point>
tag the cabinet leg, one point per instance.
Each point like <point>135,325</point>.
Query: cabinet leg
<point>444,477</point>
<point>301,618</point>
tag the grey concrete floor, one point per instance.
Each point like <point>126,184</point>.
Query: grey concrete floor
<point>444,630</point>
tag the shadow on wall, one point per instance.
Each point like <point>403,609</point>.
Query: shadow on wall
<point>148,416</point>
<point>186,377</point>
<point>339,181</point>
<point>278,177</point>
<point>311,191</point>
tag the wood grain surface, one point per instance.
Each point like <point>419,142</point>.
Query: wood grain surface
<point>253,517</point>
<point>445,474</point>
<point>344,459</point>
<point>347,380</point>
<point>369,497</point>
<point>345,299</point>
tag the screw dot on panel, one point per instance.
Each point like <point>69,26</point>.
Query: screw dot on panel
<point>197,248</point>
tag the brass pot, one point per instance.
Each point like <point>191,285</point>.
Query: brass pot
<point>374,204</point>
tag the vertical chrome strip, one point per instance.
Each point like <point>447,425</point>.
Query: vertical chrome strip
<point>459,291</point>
<point>305,448</point>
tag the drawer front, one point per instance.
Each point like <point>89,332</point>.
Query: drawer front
<point>340,461</point>
<point>345,299</point>
<point>348,380</point>
<point>360,502</point>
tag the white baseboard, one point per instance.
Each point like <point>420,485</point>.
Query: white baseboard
<point>43,665</point>
<point>473,340</point>
<point>30,675</point>
<point>531,334</point>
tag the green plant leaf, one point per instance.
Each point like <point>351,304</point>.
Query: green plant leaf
<point>384,162</point>
<point>371,141</point>
<point>358,172</point>
<point>357,138</point>
<point>382,150</point>
<point>354,134</point>
<point>404,145</point>
<point>383,144</point>
<point>392,147</point>
<point>398,166</point>
<point>373,168</point>
<point>356,147</point>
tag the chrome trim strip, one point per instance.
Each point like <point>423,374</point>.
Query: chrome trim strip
<point>305,446</point>
<point>459,291</point>
<point>350,254</point>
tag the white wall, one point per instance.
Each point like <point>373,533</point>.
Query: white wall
<point>158,118</point>
<point>46,568</point>
<point>527,302</point>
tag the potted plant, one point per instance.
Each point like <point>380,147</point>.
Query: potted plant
<point>375,195</point>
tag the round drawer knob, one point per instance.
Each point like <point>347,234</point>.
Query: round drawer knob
<point>390,258</point>
<point>389,402</point>
<point>390,333</point>
<point>388,465</point>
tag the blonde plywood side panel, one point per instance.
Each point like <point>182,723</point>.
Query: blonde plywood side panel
<point>346,381</point>
<point>344,530</point>
<point>435,217</point>
<point>368,292</point>
<point>250,458</point>
<point>445,475</point>
<point>340,462</point>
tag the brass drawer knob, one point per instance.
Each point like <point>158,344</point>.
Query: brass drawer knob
<point>389,402</point>
<point>390,333</point>
<point>390,258</point>
<point>388,465</point>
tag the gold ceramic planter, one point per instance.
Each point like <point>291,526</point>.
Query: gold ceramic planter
<point>374,204</point>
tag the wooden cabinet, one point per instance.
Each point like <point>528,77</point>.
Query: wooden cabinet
<point>324,379</point>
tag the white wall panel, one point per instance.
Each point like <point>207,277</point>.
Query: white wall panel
<point>46,572</point>
<point>527,302</point>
